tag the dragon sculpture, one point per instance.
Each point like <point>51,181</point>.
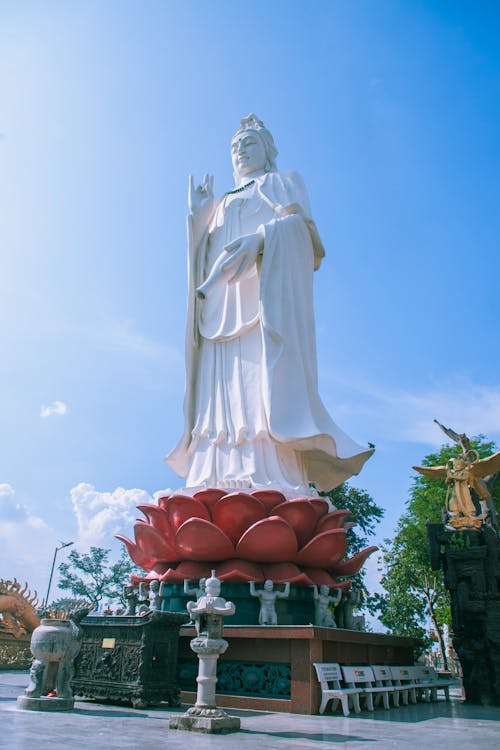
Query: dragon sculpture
<point>18,615</point>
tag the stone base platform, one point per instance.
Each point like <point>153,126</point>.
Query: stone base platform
<point>26,703</point>
<point>205,720</point>
<point>270,668</point>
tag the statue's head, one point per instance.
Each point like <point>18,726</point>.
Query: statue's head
<point>202,583</point>
<point>154,585</point>
<point>252,149</point>
<point>212,585</point>
<point>324,589</point>
<point>268,585</point>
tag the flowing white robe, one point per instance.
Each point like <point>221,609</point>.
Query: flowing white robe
<point>253,414</point>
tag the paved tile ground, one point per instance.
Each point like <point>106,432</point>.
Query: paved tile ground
<point>94,726</point>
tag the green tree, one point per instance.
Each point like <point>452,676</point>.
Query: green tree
<point>415,592</point>
<point>90,576</point>
<point>366,514</point>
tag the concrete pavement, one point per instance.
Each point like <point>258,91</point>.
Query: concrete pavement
<point>438,725</point>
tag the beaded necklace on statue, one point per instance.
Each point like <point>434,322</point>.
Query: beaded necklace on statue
<point>240,189</point>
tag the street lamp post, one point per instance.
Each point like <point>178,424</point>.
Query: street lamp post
<point>57,549</point>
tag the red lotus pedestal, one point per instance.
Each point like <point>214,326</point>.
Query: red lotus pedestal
<point>244,537</point>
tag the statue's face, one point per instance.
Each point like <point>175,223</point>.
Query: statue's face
<point>324,589</point>
<point>268,585</point>
<point>248,153</point>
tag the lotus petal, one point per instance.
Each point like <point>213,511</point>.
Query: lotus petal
<point>209,497</point>
<point>344,585</point>
<point>163,501</point>
<point>158,519</point>
<point>353,565</point>
<point>140,558</point>
<point>301,516</point>
<point>158,569</point>
<point>283,572</point>
<point>333,520</point>
<point>152,543</point>
<point>320,577</point>
<point>171,576</point>
<point>269,498</point>
<point>324,550</point>
<point>182,507</point>
<point>302,580</point>
<point>198,539</point>
<point>192,571</point>
<point>154,575</point>
<point>239,570</point>
<point>135,580</point>
<point>320,506</point>
<point>269,540</point>
<point>235,513</point>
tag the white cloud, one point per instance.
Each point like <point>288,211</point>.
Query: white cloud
<point>9,509</point>
<point>122,336</point>
<point>27,543</point>
<point>162,493</point>
<point>56,407</point>
<point>406,416</point>
<point>101,515</point>
<point>466,407</point>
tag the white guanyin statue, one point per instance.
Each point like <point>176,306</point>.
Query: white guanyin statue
<point>253,415</point>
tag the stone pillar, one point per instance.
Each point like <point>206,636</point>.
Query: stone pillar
<point>471,564</point>
<point>208,613</point>
<point>208,651</point>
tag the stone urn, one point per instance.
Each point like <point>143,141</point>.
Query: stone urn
<point>54,645</point>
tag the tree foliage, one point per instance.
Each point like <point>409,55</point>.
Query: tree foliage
<point>90,576</point>
<point>366,513</point>
<point>414,592</point>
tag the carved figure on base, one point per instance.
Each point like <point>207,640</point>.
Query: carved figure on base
<point>267,597</point>
<point>130,594</point>
<point>35,686</point>
<point>143,598</point>
<point>323,615</point>
<point>345,611</point>
<point>198,591</point>
<point>154,596</point>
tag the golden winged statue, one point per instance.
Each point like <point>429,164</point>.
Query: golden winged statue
<point>464,473</point>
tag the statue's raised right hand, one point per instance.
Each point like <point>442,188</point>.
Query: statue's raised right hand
<point>201,198</point>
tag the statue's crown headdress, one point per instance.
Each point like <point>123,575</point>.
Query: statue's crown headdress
<point>252,122</point>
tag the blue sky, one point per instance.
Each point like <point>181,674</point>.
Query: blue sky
<point>391,112</point>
